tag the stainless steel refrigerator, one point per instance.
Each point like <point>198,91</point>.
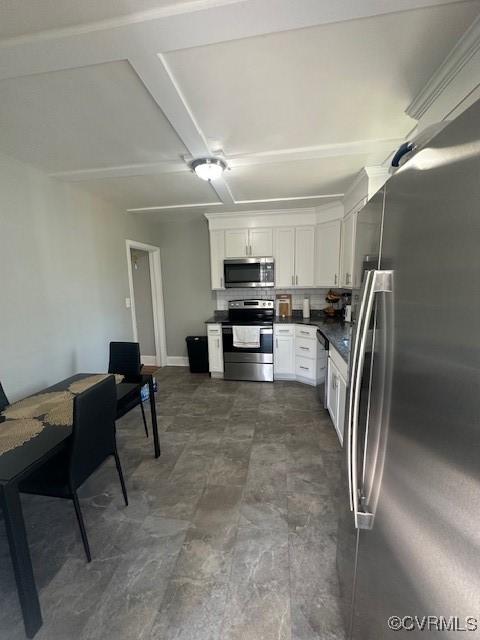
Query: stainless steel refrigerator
<point>409,529</point>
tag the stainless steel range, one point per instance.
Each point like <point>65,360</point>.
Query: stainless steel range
<point>248,340</point>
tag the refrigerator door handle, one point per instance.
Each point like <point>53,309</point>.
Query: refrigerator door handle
<point>353,370</point>
<point>379,281</point>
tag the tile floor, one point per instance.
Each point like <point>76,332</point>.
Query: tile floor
<point>230,535</point>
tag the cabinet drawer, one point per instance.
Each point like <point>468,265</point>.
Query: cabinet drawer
<point>214,329</point>
<point>306,347</point>
<point>284,330</point>
<point>306,331</point>
<point>305,368</point>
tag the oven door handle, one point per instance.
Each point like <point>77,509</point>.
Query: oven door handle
<point>264,331</point>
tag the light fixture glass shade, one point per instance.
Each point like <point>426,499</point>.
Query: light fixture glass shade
<point>208,168</point>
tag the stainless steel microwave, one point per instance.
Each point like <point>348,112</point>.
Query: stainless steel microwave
<point>249,272</point>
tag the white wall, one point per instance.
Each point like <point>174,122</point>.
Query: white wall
<point>64,280</point>
<point>188,298</point>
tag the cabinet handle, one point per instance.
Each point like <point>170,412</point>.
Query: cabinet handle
<point>246,249</point>
<point>276,343</point>
<point>304,368</point>
<point>221,281</point>
<point>304,333</point>
<point>305,348</point>
<point>283,330</point>
<point>296,279</point>
<point>347,279</point>
<point>292,279</point>
<point>251,253</point>
<point>335,278</point>
<point>218,343</point>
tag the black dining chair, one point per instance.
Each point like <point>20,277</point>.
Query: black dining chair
<point>92,442</point>
<point>125,360</point>
<point>4,403</point>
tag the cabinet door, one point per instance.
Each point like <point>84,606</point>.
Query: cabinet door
<point>217,254</point>
<point>342,399</point>
<point>215,348</point>
<point>261,242</point>
<point>284,356</point>
<point>327,254</point>
<point>236,243</point>
<point>348,239</point>
<point>284,257</point>
<point>332,392</point>
<point>304,256</point>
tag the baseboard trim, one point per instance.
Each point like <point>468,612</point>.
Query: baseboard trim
<point>177,361</point>
<point>149,361</point>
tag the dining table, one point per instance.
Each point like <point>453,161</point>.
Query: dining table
<point>33,430</point>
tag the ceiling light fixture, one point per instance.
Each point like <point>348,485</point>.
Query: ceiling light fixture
<point>208,168</point>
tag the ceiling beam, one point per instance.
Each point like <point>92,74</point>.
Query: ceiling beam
<point>119,40</point>
<point>121,171</point>
<point>165,207</point>
<point>342,149</point>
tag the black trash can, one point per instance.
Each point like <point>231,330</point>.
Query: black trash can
<point>197,348</point>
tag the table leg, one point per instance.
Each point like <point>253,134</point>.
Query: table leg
<point>20,554</point>
<point>156,442</point>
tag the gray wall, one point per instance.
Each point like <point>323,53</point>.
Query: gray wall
<point>64,278</point>
<point>142,290</point>
<point>185,255</point>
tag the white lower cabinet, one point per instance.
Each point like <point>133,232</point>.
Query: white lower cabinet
<point>298,355</point>
<point>215,349</point>
<point>284,352</point>
<point>337,391</point>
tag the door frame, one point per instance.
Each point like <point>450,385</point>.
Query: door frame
<point>157,298</point>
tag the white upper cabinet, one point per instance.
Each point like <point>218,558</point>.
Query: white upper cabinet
<point>261,242</point>
<point>217,254</point>
<point>248,242</point>
<point>284,254</point>
<point>304,256</point>
<point>236,243</point>
<point>327,254</point>
<point>348,239</point>
<point>306,253</point>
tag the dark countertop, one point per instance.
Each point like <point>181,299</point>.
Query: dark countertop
<point>337,332</point>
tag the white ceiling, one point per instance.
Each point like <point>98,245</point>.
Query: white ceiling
<point>324,85</point>
<point>21,17</point>
<point>299,94</point>
<point>94,116</point>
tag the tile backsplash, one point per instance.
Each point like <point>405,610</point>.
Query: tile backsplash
<point>317,296</point>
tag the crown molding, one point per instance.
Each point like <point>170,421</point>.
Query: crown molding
<point>463,51</point>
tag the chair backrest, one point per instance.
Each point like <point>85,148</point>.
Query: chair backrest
<point>3,399</point>
<point>93,434</point>
<point>125,359</point>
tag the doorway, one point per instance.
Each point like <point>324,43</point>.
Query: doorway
<point>146,302</point>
